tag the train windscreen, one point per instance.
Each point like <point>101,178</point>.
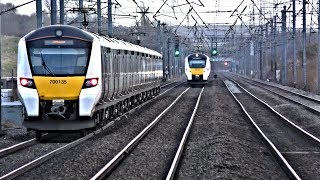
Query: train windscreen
<point>197,61</point>
<point>58,57</point>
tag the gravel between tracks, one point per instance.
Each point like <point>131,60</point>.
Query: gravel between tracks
<point>223,144</point>
<point>296,113</point>
<point>83,161</point>
<point>152,158</point>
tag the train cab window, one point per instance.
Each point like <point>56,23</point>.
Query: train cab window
<point>197,61</point>
<point>52,57</point>
<point>58,61</point>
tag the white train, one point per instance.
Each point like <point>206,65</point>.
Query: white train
<point>197,68</point>
<point>71,79</point>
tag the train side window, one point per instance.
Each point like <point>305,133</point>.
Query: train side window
<point>125,51</point>
<point>132,52</point>
<point>118,51</point>
<point>108,50</point>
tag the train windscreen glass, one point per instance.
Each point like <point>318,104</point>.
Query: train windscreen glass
<point>58,57</point>
<point>197,63</point>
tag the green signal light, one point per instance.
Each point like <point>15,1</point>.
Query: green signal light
<point>214,52</point>
<point>176,53</point>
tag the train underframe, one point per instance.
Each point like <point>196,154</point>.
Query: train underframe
<point>197,79</point>
<point>64,118</point>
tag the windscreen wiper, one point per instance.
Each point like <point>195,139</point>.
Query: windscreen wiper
<point>43,63</point>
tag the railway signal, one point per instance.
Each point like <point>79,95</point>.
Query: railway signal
<point>214,52</point>
<point>177,53</point>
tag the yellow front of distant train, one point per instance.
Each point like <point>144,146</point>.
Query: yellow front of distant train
<point>197,68</point>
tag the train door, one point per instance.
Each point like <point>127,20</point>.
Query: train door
<point>115,73</point>
<point>121,70</point>
<point>136,70</point>
<point>125,72</point>
<point>143,70</point>
<point>118,73</point>
<point>139,70</point>
<point>147,69</point>
<point>104,78</point>
<point>110,75</point>
<point>130,71</point>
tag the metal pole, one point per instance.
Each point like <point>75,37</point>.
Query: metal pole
<point>161,49</point>
<point>53,12</point>
<point>169,51</point>
<point>318,48</point>
<point>284,47</point>
<point>1,131</point>
<point>80,15</point>
<point>61,11</point>
<point>266,44</point>
<point>304,52</point>
<point>39,13</point>
<point>272,50</point>
<point>275,47</point>
<point>99,15</point>
<point>251,56</point>
<point>261,54</point>
<point>109,18</point>
<point>294,44</point>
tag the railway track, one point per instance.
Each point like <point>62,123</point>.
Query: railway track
<point>43,158</point>
<point>150,137</point>
<point>310,103</point>
<point>296,150</point>
<point>19,146</point>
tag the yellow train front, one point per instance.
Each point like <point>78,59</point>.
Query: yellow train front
<point>197,68</point>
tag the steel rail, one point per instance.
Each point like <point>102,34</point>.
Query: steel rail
<point>311,100</point>
<point>284,118</point>
<point>307,98</point>
<point>292,92</point>
<point>167,84</point>
<point>288,168</point>
<point>120,156</point>
<point>183,141</point>
<point>15,173</point>
<point>16,147</point>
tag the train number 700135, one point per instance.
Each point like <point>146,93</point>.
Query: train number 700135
<point>58,81</point>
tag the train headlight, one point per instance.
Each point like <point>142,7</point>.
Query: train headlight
<point>58,33</point>
<point>90,82</point>
<point>25,82</point>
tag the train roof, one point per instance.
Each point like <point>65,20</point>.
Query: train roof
<point>121,44</point>
<point>59,30</point>
<point>197,56</point>
<point>74,32</point>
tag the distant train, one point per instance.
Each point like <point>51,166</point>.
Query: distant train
<point>71,79</point>
<point>197,68</point>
